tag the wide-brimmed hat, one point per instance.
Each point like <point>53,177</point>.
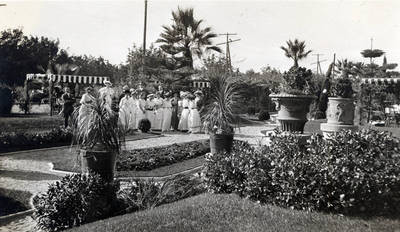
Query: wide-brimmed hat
<point>125,88</point>
<point>150,95</point>
<point>198,92</point>
<point>107,82</point>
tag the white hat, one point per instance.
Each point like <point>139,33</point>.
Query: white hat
<point>198,92</point>
<point>107,82</point>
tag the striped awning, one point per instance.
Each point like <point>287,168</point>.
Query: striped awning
<point>380,80</point>
<point>67,78</point>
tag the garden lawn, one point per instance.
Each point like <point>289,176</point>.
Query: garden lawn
<point>211,212</point>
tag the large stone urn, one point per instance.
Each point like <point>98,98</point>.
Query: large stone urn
<point>292,111</point>
<point>340,115</point>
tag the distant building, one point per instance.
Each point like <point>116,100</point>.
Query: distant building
<point>198,81</point>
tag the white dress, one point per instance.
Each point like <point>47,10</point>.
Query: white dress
<point>194,117</point>
<point>124,115</point>
<point>183,121</point>
<point>107,94</point>
<point>134,110</point>
<point>158,113</point>
<point>84,109</point>
<point>167,115</point>
<point>150,112</point>
<point>141,111</point>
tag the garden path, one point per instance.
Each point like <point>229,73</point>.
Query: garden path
<point>8,163</point>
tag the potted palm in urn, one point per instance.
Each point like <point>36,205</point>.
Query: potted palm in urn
<point>340,111</point>
<point>99,137</point>
<point>294,100</point>
<point>219,119</point>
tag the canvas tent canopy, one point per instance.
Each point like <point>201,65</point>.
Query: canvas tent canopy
<point>394,80</point>
<point>59,78</point>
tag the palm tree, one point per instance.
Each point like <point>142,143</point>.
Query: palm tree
<point>296,51</point>
<point>185,38</point>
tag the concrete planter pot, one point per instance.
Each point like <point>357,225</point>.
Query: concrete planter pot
<point>292,111</point>
<point>340,115</point>
<point>98,161</point>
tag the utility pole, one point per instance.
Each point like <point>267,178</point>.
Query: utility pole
<point>370,59</point>
<point>3,4</point>
<point>228,52</point>
<point>318,63</point>
<point>144,39</point>
<point>334,64</point>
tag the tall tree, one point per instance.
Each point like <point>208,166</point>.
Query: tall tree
<point>185,38</point>
<point>296,50</point>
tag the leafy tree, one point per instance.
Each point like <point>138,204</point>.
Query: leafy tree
<point>185,38</point>
<point>296,50</point>
<point>21,54</point>
<point>372,53</point>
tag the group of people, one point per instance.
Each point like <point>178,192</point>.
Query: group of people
<point>166,111</point>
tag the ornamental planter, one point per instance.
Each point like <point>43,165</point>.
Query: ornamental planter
<point>221,143</point>
<point>99,161</point>
<point>340,115</point>
<point>292,111</point>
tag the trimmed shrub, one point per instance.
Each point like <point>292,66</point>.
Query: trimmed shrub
<point>154,157</point>
<point>58,135</point>
<point>144,125</point>
<point>350,173</point>
<point>227,172</point>
<point>263,115</point>
<point>75,200</point>
<point>251,110</point>
<point>6,99</point>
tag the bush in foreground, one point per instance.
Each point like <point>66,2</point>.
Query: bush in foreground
<point>75,200</point>
<point>6,99</point>
<point>351,172</point>
<point>144,125</point>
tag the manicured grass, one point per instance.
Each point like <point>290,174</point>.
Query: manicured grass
<point>30,123</point>
<point>210,212</point>
<point>13,201</point>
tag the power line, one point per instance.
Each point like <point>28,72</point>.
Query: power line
<point>318,63</point>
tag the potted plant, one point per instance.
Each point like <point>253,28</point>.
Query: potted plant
<point>219,119</point>
<point>340,111</point>
<point>293,101</point>
<point>99,137</point>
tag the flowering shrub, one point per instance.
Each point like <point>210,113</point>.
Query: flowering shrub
<point>57,135</point>
<point>154,157</point>
<point>351,172</point>
<point>297,80</point>
<point>144,125</point>
<point>73,201</point>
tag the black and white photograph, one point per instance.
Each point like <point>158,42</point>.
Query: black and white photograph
<point>199,115</point>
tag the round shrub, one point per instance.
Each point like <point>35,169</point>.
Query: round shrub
<point>7,100</point>
<point>144,125</point>
<point>263,115</point>
<point>73,201</point>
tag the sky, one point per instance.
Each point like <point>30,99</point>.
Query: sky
<point>109,28</point>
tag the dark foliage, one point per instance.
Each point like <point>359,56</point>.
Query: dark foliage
<point>263,115</point>
<point>6,99</point>
<point>75,200</point>
<point>351,173</point>
<point>150,158</point>
<point>342,87</point>
<point>144,125</point>
<point>58,135</point>
<point>297,80</point>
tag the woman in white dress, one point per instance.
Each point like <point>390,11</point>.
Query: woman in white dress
<point>183,121</point>
<point>150,109</point>
<point>124,115</point>
<point>134,109</point>
<point>141,108</point>
<point>158,112</point>
<point>194,116</point>
<point>107,94</point>
<point>84,109</point>
<point>167,115</point>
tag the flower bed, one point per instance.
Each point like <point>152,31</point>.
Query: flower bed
<point>151,158</point>
<point>20,141</point>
